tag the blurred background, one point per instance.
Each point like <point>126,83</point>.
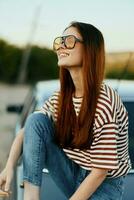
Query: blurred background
<point>27,31</point>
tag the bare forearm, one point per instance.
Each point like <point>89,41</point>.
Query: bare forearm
<point>16,149</point>
<point>89,185</point>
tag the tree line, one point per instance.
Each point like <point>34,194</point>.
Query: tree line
<point>41,65</point>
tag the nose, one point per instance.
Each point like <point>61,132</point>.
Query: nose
<point>62,45</point>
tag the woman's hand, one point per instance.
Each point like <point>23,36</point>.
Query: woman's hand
<point>6,177</point>
<point>90,184</point>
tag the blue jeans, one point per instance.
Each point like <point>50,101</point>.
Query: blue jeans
<point>40,150</point>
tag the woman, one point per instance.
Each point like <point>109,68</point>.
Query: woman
<point>81,132</point>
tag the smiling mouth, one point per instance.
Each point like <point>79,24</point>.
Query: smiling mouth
<point>62,55</point>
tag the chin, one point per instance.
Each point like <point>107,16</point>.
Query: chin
<point>62,64</point>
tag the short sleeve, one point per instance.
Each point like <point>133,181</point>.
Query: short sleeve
<point>104,147</point>
<point>48,108</point>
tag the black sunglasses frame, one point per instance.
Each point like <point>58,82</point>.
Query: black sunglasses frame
<point>63,39</point>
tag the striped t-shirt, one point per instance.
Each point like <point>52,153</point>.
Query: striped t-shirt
<point>109,149</point>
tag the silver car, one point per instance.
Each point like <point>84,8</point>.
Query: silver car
<point>35,99</point>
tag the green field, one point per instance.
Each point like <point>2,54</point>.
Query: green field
<point>118,64</point>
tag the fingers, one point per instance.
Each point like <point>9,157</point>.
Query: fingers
<point>4,187</point>
<point>2,182</point>
<point>7,185</point>
<point>5,179</point>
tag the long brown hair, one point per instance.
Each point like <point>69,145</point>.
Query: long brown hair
<point>73,131</point>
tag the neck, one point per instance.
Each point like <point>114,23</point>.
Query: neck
<point>77,78</point>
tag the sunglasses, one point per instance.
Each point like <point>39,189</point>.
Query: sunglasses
<point>69,42</point>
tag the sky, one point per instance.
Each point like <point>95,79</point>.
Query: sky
<point>40,21</point>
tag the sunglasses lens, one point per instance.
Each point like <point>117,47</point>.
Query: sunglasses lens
<point>70,41</point>
<point>57,43</point>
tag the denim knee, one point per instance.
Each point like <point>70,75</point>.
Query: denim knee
<point>39,122</point>
<point>110,189</point>
<point>35,130</point>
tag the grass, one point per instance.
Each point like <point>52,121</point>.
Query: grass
<point>120,65</point>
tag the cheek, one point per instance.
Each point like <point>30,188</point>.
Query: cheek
<point>78,57</point>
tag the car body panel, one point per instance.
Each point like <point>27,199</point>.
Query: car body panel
<point>35,100</point>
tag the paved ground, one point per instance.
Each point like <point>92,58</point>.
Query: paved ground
<point>8,94</point>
